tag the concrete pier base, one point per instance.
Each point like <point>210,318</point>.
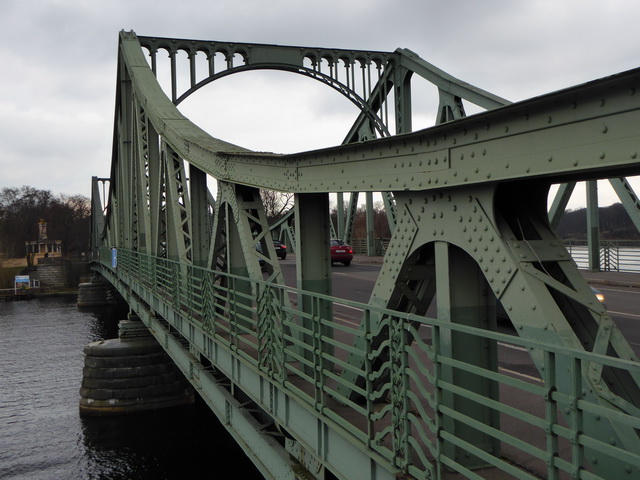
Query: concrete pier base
<point>130,374</point>
<point>95,293</point>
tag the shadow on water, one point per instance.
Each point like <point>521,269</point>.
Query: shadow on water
<point>176,443</point>
<point>105,320</point>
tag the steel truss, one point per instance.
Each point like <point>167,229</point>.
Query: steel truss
<point>471,230</point>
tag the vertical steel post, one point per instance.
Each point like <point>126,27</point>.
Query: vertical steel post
<point>97,216</point>
<point>340,216</point>
<point>122,187</point>
<point>240,288</point>
<point>313,263</point>
<point>371,247</point>
<point>155,191</point>
<point>199,216</point>
<point>464,297</point>
<point>593,227</point>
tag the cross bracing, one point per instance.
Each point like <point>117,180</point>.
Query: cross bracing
<point>384,78</point>
<point>472,232</point>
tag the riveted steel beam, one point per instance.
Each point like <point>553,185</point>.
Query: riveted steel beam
<point>504,232</point>
<point>447,83</point>
<point>551,136</point>
<point>560,202</point>
<point>628,198</point>
<point>199,215</point>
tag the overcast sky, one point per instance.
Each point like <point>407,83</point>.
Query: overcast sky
<point>58,67</point>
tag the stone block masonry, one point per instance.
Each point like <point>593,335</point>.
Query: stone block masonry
<point>54,273</point>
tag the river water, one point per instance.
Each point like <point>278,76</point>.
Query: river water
<point>42,435</point>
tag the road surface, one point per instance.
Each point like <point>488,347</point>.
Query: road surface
<point>356,283</point>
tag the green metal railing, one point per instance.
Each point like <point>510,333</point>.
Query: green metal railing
<point>403,409</point>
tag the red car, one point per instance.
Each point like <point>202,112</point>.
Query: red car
<point>341,252</point>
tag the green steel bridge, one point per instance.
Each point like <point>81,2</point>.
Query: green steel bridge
<point>415,387</point>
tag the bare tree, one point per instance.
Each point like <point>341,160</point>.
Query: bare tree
<point>276,204</point>
<point>70,221</point>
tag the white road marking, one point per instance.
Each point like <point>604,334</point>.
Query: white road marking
<point>348,306</point>
<point>513,347</point>
<point>629,290</point>
<point>523,375</point>
<point>348,321</point>
<point>634,315</point>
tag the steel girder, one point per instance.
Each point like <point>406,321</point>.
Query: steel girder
<point>593,221</point>
<point>151,189</point>
<point>494,242</point>
<point>628,198</point>
<point>334,67</point>
<point>448,86</point>
<point>560,202</point>
<point>393,72</point>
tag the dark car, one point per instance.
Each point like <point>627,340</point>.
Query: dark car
<point>281,250</point>
<point>341,252</point>
<point>259,250</point>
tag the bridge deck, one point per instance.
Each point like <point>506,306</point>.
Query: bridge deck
<point>511,424</point>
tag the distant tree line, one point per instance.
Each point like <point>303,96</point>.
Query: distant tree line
<point>614,222</point>
<point>68,219</point>
<point>278,204</point>
<point>380,223</point>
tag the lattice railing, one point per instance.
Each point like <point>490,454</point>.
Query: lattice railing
<point>404,407</point>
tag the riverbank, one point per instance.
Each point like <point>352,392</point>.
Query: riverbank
<point>10,295</point>
<point>51,277</point>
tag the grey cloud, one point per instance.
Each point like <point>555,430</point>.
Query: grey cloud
<point>59,62</point>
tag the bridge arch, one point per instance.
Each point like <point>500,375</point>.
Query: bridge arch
<point>308,63</point>
<point>381,128</point>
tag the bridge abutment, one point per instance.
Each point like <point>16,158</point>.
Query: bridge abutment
<point>95,293</point>
<point>130,374</point>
